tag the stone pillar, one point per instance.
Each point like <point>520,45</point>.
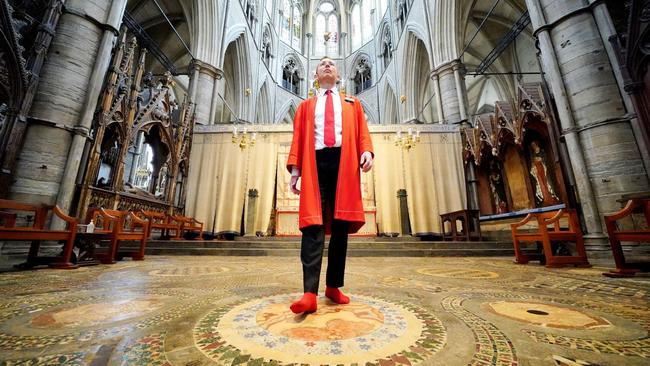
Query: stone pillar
<point>61,115</point>
<point>448,78</point>
<point>459,77</point>
<point>449,82</point>
<point>604,156</point>
<point>607,32</point>
<point>205,97</point>
<point>405,224</point>
<point>436,89</point>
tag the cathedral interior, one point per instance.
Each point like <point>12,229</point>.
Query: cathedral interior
<point>494,123</point>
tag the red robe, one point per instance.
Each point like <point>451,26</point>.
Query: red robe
<point>355,141</point>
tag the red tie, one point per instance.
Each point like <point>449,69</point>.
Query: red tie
<point>328,135</point>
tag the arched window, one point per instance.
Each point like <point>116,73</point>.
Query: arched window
<point>402,11</point>
<point>361,22</point>
<point>297,27</point>
<point>386,47</point>
<point>285,21</point>
<point>355,26</point>
<point>362,75</point>
<point>326,29</point>
<point>291,23</point>
<point>250,9</point>
<point>266,46</point>
<point>290,75</point>
<point>333,28</point>
<point>366,20</point>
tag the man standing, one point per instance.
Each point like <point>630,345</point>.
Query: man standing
<point>330,143</point>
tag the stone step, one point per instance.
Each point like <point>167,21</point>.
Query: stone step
<point>291,252</point>
<point>352,245</point>
<point>370,247</point>
<point>350,239</point>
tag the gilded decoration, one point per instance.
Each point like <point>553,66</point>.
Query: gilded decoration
<point>515,145</point>
<point>142,138</point>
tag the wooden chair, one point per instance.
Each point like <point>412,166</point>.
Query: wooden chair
<point>618,235</point>
<point>37,232</point>
<point>189,224</point>
<point>165,223</point>
<point>116,227</point>
<point>546,235</point>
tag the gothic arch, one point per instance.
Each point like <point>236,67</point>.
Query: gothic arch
<point>390,115</point>
<point>234,33</point>
<point>292,61</point>
<point>418,91</point>
<point>287,112</point>
<point>361,57</point>
<point>416,30</point>
<point>268,46</point>
<point>340,7</point>
<point>263,110</point>
<point>384,44</point>
<point>371,117</point>
<point>237,69</point>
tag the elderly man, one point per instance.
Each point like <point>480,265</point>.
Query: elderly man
<point>330,143</point>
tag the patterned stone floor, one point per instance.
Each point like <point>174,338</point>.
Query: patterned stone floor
<point>404,311</point>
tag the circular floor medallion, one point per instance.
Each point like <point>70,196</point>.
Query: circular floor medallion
<point>547,315</point>
<point>360,332</point>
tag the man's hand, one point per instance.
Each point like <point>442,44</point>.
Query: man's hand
<point>366,161</point>
<point>294,184</point>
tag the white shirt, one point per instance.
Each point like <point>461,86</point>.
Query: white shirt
<point>319,118</point>
<point>319,121</point>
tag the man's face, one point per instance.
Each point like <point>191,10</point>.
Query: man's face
<point>326,72</point>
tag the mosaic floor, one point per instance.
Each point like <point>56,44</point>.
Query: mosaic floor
<point>404,311</point>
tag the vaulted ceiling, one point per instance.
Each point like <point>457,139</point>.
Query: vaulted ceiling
<point>151,19</point>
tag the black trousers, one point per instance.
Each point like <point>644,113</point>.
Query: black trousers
<point>313,237</point>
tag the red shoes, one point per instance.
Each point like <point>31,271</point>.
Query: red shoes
<point>307,304</point>
<point>336,295</point>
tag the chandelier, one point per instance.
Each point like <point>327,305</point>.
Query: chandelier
<point>407,140</point>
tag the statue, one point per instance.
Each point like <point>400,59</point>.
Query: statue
<point>497,189</point>
<point>544,192</point>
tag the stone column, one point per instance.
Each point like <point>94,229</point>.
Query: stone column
<point>436,89</point>
<point>205,96</point>
<point>449,81</point>
<point>607,31</point>
<point>604,156</point>
<point>459,77</point>
<point>448,78</point>
<point>66,98</point>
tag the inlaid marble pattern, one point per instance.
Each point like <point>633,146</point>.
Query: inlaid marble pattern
<point>404,311</point>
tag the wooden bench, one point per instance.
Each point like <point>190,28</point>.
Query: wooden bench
<point>189,225</point>
<point>470,229</point>
<point>546,235</point>
<point>165,223</point>
<point>618,235</point>
<point>117,226</point>
<point>37,232</point>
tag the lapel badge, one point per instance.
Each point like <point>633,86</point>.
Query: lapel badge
<point>349,100</point>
